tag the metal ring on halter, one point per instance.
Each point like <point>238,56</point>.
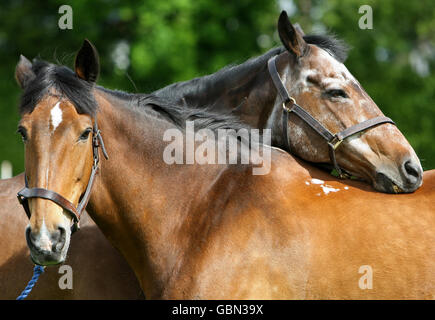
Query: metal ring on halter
<point>284,104</point>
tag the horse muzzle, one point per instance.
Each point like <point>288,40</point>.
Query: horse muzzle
<point>48,248</point>
<point>408,179</point>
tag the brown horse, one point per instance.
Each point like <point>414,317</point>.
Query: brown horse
<point>98,270</point>
<point>209,231</point>
<point>312,70</point>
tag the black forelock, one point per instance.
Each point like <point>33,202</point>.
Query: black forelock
<point>52,79</point>
<point>334,46</point>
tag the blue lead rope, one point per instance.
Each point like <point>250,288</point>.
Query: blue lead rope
<point>37,271</point>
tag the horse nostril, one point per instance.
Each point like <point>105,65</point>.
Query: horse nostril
<point>412,172</point>
<point>29,236</point>
<point>31,240</point>
<point>60,239</point>
<point>57,234</point>
<point>411,169</point>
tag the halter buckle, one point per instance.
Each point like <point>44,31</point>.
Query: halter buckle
<point>335,142</point>
<point>344,175</point>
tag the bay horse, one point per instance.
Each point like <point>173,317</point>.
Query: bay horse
<point>310,70</point>
<point>211,231</point>
<point>98,270</point>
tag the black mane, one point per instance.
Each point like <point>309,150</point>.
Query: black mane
<point>176,113</point>
<point>57,80</point>
<point>52,79</point>
<point>215,82</point>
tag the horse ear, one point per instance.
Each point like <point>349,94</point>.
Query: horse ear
<point>290,37</point>
<point>23,72</point>
<point>87,63</point>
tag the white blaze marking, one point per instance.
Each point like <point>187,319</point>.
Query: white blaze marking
<point>44,240</point>
<point>56,116</point>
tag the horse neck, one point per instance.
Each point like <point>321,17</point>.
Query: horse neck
<point>135,200</point>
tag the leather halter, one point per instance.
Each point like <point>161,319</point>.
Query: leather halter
<point>26,193</point>
<point>289,105</point>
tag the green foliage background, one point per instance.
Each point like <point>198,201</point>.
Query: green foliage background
<point>177,40</point>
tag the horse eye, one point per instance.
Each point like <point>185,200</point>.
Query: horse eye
<point>85,134</point>
<point>23,132</point>
<point>337,93</point>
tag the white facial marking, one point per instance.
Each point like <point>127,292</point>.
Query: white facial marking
<point>336,66</point>
<point>334,83</point>
<point>56,116</point>
<point>361,147</point>
<point>44,240</point>
<point>302,84</point>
